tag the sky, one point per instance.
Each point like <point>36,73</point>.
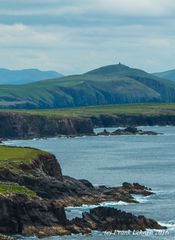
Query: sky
<point>74,36</point>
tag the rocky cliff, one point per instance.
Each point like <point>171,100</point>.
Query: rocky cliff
<point>43,175</point>
<point>110,220</point>
<point>33,194</point>
<point>122,120</point>
<point>18,213</point>
<point>20,125</point>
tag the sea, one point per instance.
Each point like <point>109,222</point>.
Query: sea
<point>112,160</point>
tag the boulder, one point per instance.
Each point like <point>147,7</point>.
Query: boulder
<point>110,219</point>
<point>104,133</point>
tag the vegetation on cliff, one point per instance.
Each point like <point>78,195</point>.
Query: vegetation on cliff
<point>25,124</point>
<point>13,158</point>
<point>32,201</point>
<point>14,188</point>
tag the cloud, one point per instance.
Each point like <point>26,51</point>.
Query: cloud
<point>75,36</point>
<point>141,8</point>
<point>20,36</point>
<point>155,8</point>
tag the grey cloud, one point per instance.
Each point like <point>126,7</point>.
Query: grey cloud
<point>74,36</point>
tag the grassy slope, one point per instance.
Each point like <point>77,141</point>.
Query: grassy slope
<point>126,109</point>
<point>13,157</point>
<point>13,188</point>
<point>115,80</point>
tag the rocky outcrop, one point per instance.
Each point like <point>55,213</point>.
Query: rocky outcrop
<point>110,219</point>
<point>125,120</point>
<point>19,212</point>
<point>43,213</point>
<point>45,166</point>
<point>98,219</point>
<point>79,194</point>
<point>4,237</point>
<point>21,215</point>
<point>23,126</point>
<point>69,191</point>
<point>43,175</point>
<point>127,131</point>
<point>20,125</point>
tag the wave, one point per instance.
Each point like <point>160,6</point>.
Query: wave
<point>169,224</point>
<point>9,143</point>
<point>86,207</point>
<point>162,192</point>
<point>142,199</point>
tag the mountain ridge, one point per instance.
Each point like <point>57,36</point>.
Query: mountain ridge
<point>24,76</point>
<point>112,84</point>
<point>170,74</point>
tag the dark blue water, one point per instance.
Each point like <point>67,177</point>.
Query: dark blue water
<point>149,160</point>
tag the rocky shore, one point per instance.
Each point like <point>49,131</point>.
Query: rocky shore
<point>123,120</point>
<point>4,237</point>
<point>110,220</point>
<point>15,125</point>
<point>127,131</point>
<point>98,219</point>
<point>33,194</point>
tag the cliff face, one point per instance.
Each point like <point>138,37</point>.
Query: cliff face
<point>132,120</point>
<point>19,125</point>
<point>19,212</point>
<point>33,194</point>
<point>43,174</point>
<point>44,177</point>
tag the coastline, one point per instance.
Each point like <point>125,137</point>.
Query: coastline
<point>15,125</point>
<point>33,194</point>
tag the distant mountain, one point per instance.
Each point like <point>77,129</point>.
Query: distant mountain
<point>167,74</point>
<point>113,84</point>
<point>25,76</point>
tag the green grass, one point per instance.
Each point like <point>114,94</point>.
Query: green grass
<point>13,188</point>
<point>129,85</point>
<point>13,157</point>
<point>129,109</point>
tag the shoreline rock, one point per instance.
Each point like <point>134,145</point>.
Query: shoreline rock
<point>101,219</point>
<point>110,219</point>
<point>20,211</point>
<point>5,237</point>
<point>15,125</point>
<point>127,131</point>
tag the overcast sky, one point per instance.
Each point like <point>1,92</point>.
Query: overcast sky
<point>74,36</point>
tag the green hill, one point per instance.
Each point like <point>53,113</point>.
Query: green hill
<point>167,75</point>
<point>112,84</point>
